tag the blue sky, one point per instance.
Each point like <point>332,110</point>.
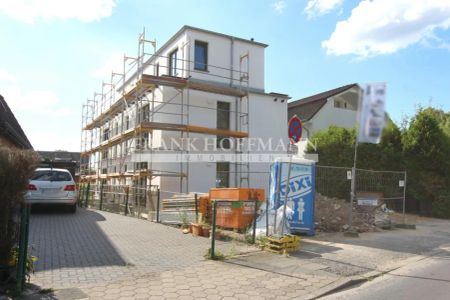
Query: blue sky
<point>55,54</point>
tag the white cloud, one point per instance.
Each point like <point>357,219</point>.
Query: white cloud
<point>5,76</point>
<point>315,8</point>
<point>386,26</point>
<point>113,63</point>
<point>279,6</point>
<point>45,140</point>
<point>82,10</point>
<point>42,102</point>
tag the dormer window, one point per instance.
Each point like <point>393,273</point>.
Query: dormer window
<point>340,103</point>
<point>201,56</point>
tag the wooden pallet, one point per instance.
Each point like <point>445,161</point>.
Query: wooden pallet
<point>284,244</point>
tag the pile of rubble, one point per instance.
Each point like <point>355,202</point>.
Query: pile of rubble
<point>332,215</point>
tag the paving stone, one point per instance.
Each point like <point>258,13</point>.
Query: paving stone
<point>110,256</point>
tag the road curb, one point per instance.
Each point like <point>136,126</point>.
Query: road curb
<point>348,282</point>
<point>336,286</point>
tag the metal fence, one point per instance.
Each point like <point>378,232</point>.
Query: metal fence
<point>141,202</point>
<point>19,264</point>
<point>226,211</point>
<point>388,187</point>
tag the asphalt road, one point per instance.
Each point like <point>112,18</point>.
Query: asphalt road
<point>426,279</point>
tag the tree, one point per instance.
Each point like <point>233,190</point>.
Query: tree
<point>426,150</point>
<point>425,145</point>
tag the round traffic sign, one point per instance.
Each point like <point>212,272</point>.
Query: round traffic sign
<point>295,129</point>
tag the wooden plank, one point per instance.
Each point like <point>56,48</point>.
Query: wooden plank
<point>216,131</point>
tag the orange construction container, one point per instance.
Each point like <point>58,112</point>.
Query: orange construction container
<point>239,212</point>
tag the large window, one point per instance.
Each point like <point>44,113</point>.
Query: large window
<point>223,174</point>
<point>201,56</point>
<point>223,122</point>
<point>173,63</point>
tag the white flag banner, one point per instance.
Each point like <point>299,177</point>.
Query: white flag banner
<point>371,122</point>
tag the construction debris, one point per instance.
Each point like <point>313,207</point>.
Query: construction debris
<point>332,215</point>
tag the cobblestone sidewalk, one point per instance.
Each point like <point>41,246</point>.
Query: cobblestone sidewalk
<point>211,280</point>
<point>100,255</point>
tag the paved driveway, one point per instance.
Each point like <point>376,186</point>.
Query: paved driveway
<point>100,255</point>
<point>93,246</point>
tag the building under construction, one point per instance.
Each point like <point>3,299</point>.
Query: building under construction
<point>180,116</point>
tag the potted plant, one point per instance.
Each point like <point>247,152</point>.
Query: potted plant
<point>218,234</point>
<point>206,229</point>
<point>197,229</point>
<point>184,222</point>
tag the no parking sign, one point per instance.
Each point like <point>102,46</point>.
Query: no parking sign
<point>295,129</point>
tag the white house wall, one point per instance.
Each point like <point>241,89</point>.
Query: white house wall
<point>329,115</point>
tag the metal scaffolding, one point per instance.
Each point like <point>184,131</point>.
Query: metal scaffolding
<point>118,124</point>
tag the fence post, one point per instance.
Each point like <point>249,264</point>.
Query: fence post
<point>80,195</point>
<point>213,230</point>
<point>127,190</point>
<point>196,207</point>
<point>150,203</point>
<point>404,200</point>
<point>23,246</point>
<point>254,222</point>
<point>158,199</point>
<point>87,194</point>
<point>101,196</point>
<point>267,217</point>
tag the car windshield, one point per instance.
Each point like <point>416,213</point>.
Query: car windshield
<point>50,175</point>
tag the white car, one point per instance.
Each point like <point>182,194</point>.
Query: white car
<point>52,186</point>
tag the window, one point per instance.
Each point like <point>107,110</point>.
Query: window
<point>145,113</point>
<point>157,70</point>
<point>223,122</point>
<point>223,174</point>
<point>340,104</point>
<point>105,134</point>
<point>201,56</point>
<point>51,176</point>
<point>127,122</point>
<point>173,63</point>
<point>141,165</point>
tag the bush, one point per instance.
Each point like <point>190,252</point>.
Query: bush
<point>16,168</point>
<point>422,148</point>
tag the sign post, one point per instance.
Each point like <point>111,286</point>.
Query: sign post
<point>371,124</point>
<point>295,129</point>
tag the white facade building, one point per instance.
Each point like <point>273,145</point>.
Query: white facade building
<point>338,107</point>
<point>179,117</point>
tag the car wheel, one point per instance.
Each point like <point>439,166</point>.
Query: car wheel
<point>73,208</point>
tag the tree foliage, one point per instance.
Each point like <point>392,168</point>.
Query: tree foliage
<point>422,148</point>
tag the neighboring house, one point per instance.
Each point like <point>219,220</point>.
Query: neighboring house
<point>11,134</point>
<point>337,107</point>
<point>198,85</point>
<point>61,160</point>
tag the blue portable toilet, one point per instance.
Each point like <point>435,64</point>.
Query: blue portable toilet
<point>301,191</point>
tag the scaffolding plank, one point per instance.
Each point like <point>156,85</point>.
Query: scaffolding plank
<point>139,88</point>
<point>216,131</point>
<point>149,82</point>
<point>193,129</point>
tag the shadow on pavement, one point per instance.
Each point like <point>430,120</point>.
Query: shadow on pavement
<point>61,239</point>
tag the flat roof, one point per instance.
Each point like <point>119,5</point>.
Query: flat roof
<point>187,27</point>
<point>221,34</point>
